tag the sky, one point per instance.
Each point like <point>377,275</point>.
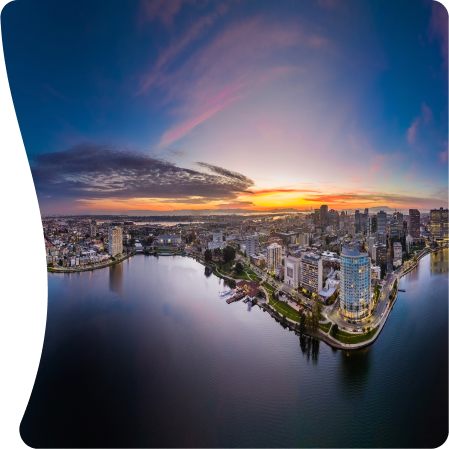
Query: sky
<point>231,104</point>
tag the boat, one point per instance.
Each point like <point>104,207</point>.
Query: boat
<point>226,294</point>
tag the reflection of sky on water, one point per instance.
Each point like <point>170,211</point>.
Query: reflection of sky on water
<point>439,262</point>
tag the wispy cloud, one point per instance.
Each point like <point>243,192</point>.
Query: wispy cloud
<point>438,29</point>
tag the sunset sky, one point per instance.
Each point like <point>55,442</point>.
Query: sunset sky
<point>184,104</point>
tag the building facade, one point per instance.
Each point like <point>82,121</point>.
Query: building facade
<point>292,274</point>
<point>169,239</point>
<point>382,222</point>
<point>115,240</point>
<point>217,240</point>
<point>439,224</point>
<point>397,254</point>
<point>414,218</point>
<point>311,272</point>
<point>355,284</point>
<point>252,245</point>
<point>273,257</point>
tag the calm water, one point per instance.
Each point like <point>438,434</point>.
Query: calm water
<point>145,354</point>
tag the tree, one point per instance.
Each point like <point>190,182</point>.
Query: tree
<point>208,255</point>
<point>239,267</point>
<point>262,264</point>
<point>229,254</point>
<point>334,329</point>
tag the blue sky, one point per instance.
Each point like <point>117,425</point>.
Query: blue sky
<point>230,104</point>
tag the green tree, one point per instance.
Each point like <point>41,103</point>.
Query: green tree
<point>208,255</point>
<point>239,267</point>
<point>334,329</point>
<point>229,254</point>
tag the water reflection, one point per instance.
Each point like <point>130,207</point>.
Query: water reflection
<point>116,278</point>
<point>355,367</point>
<point>207,271</point>
<point>310,347</point>
<point>439,262</point>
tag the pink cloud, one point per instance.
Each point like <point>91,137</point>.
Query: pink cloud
<point>412,132</point>
<point>174,134</point>
<point>437,31</point>
<point>443,157</point>
<point>162,10</point>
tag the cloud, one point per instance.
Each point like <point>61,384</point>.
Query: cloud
<point>163,10</point>
<point>91,172</point>
<point>437,30</point>
<point>412,132</point>
<point>443,157</point>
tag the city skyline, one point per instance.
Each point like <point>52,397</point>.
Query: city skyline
<point>231,105</point>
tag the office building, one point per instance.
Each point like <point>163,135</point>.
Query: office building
<point>382,222</point>
<point>323,215</point>
<point>400,218</point>
<point>312,272</point>
<point>381,254</point>
<point>273,257</point>
<point>439,224</point>
<point>394,228</point>
<point>371,243</point>
<point>115,240</point>
<point>355,284</point>
<point>414,223</point>
<point>372,224</point>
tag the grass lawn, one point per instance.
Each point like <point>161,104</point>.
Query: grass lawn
<point>268,287</point>
<point>348,338</point>
<point>285,309</point>
<point>325,327</point>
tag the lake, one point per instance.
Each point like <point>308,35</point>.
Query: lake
<point>145,354</point>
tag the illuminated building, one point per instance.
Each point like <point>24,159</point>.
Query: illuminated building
<point>355,284</point>
<point>439,224</point>
<point>311,272</point>
<point>273,257</point>
<point>414,218</point>
<point>115,240</point>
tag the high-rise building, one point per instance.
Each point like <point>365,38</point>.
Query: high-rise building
<point>382,222</point>
<point>312,272</point>
<point>273,257</point>
<point>316,217</point>
<point>323,215</point>
<point>93,230</point>
<point>292,271</point>
<point>439,224</point>
<point>381,254</point>
<point>357,221</point>
<point>400,218</point>
<point>355,284</point>
<point>366,211</point>
<point>414,223</point>
<point>394,228</point>
<point>397,254</point>
<point>252,245</point>
<point>115,240</point>
<point>372,225</point>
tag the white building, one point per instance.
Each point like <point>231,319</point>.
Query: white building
<point>217,240</point>
<point>115,240</point>
<point>375,273</point>
<point>252,245</point>
<point>169,239</point>
<point>273,257</point>
<point>292,274</point>
<point>312,272</point>
<point>409,242</point>
<point>371,243</point>
<point>397,254</point>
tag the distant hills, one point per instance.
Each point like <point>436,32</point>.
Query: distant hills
<point>194,212</point>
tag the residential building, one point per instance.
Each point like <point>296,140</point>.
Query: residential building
<point>397,254</point>
<point>311,272</point>
<point>273,257</point>
<point>252,245</point>
<point>414,223</point>
<point>115,240</point>
<point>375,272</point>
<point>439,224</point>
<point>381,254</point>
<point>355,284</point>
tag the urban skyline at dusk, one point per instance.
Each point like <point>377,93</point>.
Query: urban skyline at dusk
<point>231,105</point>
